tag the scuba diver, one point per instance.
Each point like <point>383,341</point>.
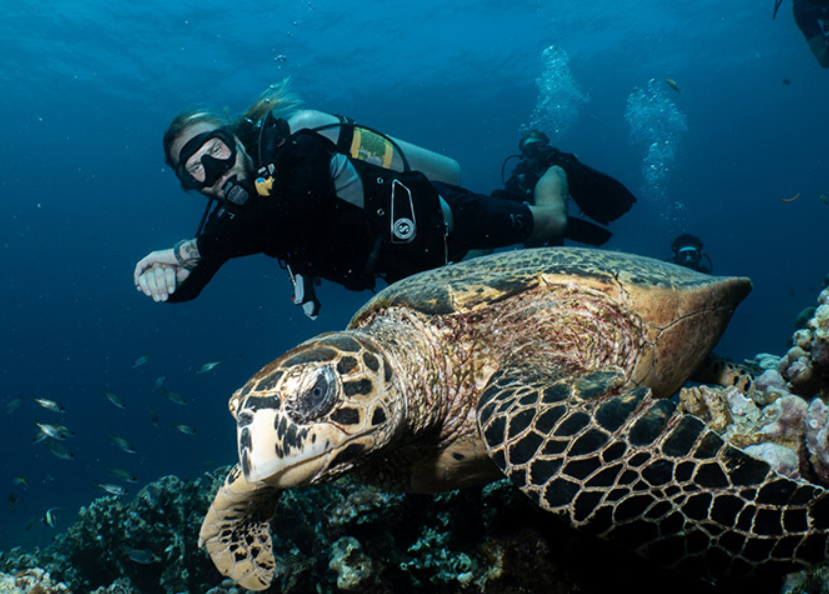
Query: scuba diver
<point>688,252</point>
<point>545,175</point>
<point>327,198</point>
<point>811,17</point>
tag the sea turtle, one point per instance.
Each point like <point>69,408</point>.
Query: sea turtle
<point>553,367</point>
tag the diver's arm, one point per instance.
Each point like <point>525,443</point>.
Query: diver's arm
<point>434,166</point>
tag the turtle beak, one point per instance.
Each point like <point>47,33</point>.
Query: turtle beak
<point>274,449</point>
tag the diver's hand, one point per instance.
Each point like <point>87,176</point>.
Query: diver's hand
<point>159,273</point>
<point>160,280</point>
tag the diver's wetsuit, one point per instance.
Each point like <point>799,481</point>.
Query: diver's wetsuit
<point>306,222</point>
<point>808,13</point>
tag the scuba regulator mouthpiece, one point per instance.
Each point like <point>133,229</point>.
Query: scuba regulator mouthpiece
<point>235,192</point>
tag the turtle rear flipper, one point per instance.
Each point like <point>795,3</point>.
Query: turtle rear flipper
<point>627,467</point>
<point>237,533</point>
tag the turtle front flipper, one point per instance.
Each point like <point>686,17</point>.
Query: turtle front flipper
<point>237,533</point>
<point>624,466</point>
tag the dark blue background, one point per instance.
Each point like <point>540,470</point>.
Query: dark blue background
<point>87,91</point>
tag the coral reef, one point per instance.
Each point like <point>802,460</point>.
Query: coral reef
<point>805,367</point>
<point>339,537</point>
<point>31,581</point>
<point>769,422</point>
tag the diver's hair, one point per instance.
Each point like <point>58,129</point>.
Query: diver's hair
<point>182,121</point>
<point>686,239</point>
<point>276,98</point>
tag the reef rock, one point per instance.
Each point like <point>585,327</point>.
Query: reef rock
<point>806,365</point>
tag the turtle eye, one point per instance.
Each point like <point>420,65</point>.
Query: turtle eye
<point>317,400</point>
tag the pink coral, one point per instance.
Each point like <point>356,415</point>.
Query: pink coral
<point>817,438</point>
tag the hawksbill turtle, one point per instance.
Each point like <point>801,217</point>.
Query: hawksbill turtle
<point>553,367</point>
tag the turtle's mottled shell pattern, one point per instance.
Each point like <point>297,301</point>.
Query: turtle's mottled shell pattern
<point>478,282</point>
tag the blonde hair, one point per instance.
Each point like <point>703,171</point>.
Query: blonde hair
<point>277,98</point>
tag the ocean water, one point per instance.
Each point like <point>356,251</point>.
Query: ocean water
<point>88,88</point>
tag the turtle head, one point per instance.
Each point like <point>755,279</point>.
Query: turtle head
<point>315,412</point>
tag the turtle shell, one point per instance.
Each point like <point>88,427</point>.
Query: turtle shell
<point>676,307</point>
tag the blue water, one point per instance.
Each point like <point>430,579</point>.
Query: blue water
<point>88,88</point>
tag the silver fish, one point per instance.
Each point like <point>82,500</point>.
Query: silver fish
<point>142,556</point>
<point>121,443</point>
<point>186,429</point>
<point>208,366</point>
<point>175,397</point>
<point>54,430</point>
<point>59,451</point>
<point>153,415</point>
<point>49,404</point>
<point>114,399</point>
<point>13,404</point>
<point>141,361</point>
<point>116,490</point>
<point>122,475</point>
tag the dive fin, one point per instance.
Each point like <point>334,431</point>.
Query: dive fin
<point>599,196</point>
<point>586,232</point>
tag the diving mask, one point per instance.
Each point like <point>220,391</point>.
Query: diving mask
<point>532,144</point>
<point>205,158</point>
<point>688,255</point>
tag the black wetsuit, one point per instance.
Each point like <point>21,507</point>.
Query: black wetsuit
<point>704,266</point>
<point>808,13</point>
<point>304,223</point>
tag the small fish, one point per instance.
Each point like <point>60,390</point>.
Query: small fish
<point>54,430</point>
<point>141,556</point>
<point>121,443</point>
<point>142,360</point>
<point>12,500</point>
<point>13,404</point>
<point>122,475</point>
<point>186,429</point>
<point>112,489</point>
<point>823,198</point>
<point>175,397</point>
<point>49,404</point>
<point>792,199</point>
<point>115,399</point>
<point>50,518</point>
<point>159,382</point>
<point>672,83</point>
<point>21,480</point>
<point>208,366</point>
<point>787,82</point>
<point>153,415</point>
<point>59,450</point>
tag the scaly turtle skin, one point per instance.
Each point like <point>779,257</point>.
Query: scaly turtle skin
<point>551,367</point>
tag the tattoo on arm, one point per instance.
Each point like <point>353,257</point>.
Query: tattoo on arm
<point>187,253</point>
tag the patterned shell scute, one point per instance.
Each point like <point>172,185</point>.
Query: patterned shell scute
<point>490,279</point>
